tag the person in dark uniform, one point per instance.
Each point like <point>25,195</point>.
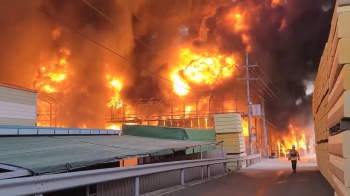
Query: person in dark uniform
<point>293,156</point>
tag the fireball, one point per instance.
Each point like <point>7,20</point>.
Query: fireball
<point>200,69</point>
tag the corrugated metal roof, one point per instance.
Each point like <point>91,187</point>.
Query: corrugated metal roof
<point>49,154</point>
<point>17,87</point>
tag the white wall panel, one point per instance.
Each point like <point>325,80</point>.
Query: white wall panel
<point>16,110</point>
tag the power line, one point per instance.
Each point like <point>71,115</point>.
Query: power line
<point>260,96</point>
<point>269,88</point>
<point>106,48</point>
<point>269,79</point>
<point>179,49</point>
<point>271,124</point>
<point>241,48</point>
<point>204,45</point>
<point>265,84</point>
<point>255,92</point>
<point>263,88</point>
<point>134,38</point>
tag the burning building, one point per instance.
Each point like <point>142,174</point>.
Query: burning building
<point>104,63</point>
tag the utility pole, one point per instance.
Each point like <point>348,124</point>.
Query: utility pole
<point>247,66</point>
<point>248,103</point>
<point>264,128</point>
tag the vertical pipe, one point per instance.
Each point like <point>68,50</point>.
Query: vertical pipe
<point>184,114</point>
<point>87,190</point>
<point>208,171</point>
<point>202,172</point>
<point>197,114</point>
<point>171,113</point>
<point>209,111</point>
<point>222,150</point>
<point>264,128</point>
<point>137,186</point>
<point>200,147</point>
<point>223,103</point>
<point>249,104</point>
<point>147,113</point>
<point>182,177</point>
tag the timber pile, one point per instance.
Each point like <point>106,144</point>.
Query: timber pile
<point>228,128</point>
<point>331,103</point>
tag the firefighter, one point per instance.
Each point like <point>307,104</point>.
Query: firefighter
<point>293,156</point>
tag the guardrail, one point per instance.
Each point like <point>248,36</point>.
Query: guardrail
<point>11,130</point>
<point>37,185</point>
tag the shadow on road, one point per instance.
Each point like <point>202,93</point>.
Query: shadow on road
<point>272,177</point>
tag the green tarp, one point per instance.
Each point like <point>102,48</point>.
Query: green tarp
<point>175,133</point>
<point>50,154</point>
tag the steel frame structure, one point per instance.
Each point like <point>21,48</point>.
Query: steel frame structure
<point>173,111</point>
<point>48,117</point>
<point>166,111</point>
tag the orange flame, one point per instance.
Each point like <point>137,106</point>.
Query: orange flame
<point>296,138</point>
<point>237,20</point>
<point>283,25</point>
<point>200,69</point>
<point>115,85</point>
<point>275,3</point>
<point>114,127</point>
<point>245,127</point>
<point>50,76</point>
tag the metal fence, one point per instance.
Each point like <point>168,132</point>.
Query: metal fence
<point>123,181</point>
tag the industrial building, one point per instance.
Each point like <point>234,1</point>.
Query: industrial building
<point>18,105</point>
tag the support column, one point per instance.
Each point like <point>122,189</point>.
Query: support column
<point>137,186</point>
<point>264,129</point>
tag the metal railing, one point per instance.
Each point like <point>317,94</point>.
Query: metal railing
<point>37,185</point>
<point>10,130</point>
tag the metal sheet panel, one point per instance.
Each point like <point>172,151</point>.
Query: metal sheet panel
<point>42,154</point>
<point>46,131</point>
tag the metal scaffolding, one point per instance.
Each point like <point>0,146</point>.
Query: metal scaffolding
<point>177,112</point>
<point>166,111</point>
<point>47,109</point>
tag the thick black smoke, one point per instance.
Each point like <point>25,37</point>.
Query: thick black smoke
<point>149,33</point>
<point>294,56</point>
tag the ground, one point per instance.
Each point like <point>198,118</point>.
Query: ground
<point>272,177</point>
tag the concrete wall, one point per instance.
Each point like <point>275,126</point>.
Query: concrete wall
<point>18,106</point>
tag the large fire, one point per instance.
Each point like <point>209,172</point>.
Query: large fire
<point>200,69</point>
<point>116,86</point>
<point>195,68</point>
<point>245,127</point>
<point>296,137</point>
<point>52,74</point>
<point>237,20</point>
<point>54,77</point>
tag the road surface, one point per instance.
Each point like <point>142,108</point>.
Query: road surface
<point>272,177</point>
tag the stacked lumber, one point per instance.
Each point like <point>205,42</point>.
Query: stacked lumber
<point>339,161</point>
<point>322,156</point>
<point>331,103</point>
<point>228,128</point>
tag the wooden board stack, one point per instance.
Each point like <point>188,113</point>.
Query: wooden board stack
<point>228,128</point>
<point>331,103</point>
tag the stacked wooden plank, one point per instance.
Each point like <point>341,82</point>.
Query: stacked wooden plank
<point>323,161</point>
<point>331,103</point>
<point>339,161</point>
<point>228,128</point>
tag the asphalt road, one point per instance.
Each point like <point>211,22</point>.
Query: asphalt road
<point>272,177</point>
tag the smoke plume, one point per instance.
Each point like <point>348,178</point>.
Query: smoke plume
<point>285,39</point>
